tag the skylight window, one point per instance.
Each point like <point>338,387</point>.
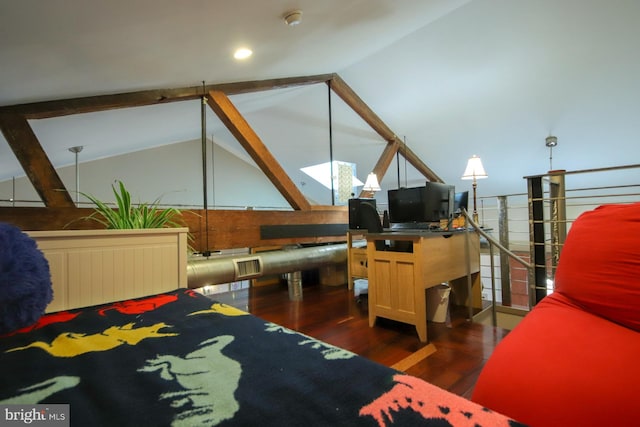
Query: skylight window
<point>344,177</point>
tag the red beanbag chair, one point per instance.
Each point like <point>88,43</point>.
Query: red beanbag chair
<point>573,360</point>
<point>599,266</point>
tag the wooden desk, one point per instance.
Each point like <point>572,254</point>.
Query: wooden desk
<point>398,280</point>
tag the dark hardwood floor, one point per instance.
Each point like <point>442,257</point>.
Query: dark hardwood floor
<point>332,314</point>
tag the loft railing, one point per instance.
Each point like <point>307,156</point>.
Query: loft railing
<point>505,253</point>
<point>528,230</point>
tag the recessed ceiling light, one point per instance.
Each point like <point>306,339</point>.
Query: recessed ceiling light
<point>242,53</point>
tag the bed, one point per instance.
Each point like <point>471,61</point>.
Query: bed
<point>179,358</point>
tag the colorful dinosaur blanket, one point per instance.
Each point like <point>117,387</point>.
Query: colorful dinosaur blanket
<point>182,359</point>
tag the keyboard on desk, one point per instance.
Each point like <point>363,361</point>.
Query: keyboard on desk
<point>408,226</point>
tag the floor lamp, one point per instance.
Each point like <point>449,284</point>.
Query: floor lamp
<point>474,171</point>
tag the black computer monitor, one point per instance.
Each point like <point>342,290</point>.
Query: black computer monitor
<point>405,205</point>
<point>428,204</point>
<point>461,201</point>
<point>440,201</point>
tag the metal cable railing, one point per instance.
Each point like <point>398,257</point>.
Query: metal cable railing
<point>493,243</point>
<point>533,227</point>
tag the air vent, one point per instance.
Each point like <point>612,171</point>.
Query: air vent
<point>248,268</point>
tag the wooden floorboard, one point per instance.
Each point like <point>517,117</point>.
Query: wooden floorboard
<point>333,315</point>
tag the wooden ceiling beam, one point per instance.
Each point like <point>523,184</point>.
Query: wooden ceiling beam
<point>90,104</point>
<point>44,178</point>
<point>34,161</point>
<point>415,161</point>
<point>348,95</point>
<point>251,142</point>
<point>344,91</point>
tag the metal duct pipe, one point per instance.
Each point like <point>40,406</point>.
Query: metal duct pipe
<point>225,269</point>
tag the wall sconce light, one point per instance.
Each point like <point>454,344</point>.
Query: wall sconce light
<point>474,171</point>
<point>371,184</point>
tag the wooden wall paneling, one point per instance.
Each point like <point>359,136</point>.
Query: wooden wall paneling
<point>228,229</point>
<point>38,218</point>
<point>241,229</point>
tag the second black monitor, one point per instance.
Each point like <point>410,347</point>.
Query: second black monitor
<point>428,204</point>
<point>461,201</point>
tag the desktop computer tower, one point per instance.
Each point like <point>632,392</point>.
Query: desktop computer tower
<point>354,208</point>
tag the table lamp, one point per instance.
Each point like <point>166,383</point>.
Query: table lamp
<point>371,185</point>
<point>474,171</point>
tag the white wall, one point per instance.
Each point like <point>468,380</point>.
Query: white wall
<point>171,172</point>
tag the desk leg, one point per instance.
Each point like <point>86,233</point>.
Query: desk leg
<point>461,292</point>
<point>421,315</point>
<point>349,261</point>
<point>371,299</point>
<point>476,290</point>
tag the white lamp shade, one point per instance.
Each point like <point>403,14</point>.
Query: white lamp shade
<point>372,183</point>
<point>474,169</point>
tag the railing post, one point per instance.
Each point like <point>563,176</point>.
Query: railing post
<point>503,235</point>
<point>558,216</point>
<point>537,275</point>
<point>494,314</point>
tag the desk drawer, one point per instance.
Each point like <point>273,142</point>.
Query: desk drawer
<point>359,262</point>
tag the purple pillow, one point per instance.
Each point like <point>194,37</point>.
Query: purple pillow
<point>25,280</point>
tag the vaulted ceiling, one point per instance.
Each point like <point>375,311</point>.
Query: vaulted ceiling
<point>451,77</point>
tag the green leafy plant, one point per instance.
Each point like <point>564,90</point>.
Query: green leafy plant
<point>128,215</point>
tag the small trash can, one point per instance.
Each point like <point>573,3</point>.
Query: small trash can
<point>360,286</point>
<point>438,303</point>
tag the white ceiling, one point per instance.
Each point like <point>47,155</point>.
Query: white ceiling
<point>452,77</point>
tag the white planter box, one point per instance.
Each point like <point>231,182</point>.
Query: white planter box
<point>90,267</point>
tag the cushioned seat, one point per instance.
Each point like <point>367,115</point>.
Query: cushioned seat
<point>573,360</point>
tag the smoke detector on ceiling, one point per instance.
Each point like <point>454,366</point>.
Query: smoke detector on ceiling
<point>293,18</point>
